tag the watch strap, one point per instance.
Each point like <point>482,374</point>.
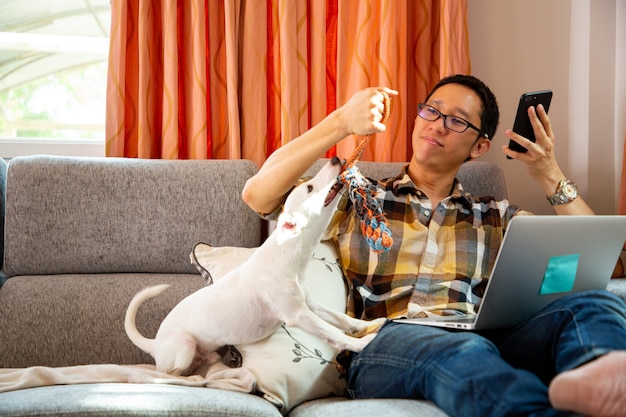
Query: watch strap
<point>561,196</point>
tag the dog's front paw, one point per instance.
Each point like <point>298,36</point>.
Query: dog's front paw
<point>362,327</point>
<point>362,342</point>
<point>376,324</point>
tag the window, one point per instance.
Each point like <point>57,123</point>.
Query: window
<point>53,66</point>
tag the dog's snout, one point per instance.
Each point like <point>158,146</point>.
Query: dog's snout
<point>336,161</point>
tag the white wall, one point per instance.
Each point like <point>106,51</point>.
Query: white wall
<point>575,48</point>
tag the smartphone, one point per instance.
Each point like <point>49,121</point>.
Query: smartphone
<point>522,125</point>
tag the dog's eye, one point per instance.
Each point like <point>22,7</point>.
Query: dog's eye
<point>309,188</point>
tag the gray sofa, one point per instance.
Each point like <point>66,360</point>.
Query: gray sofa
<point>83,235</point>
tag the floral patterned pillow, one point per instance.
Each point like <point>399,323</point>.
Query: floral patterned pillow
<point>290,366</point>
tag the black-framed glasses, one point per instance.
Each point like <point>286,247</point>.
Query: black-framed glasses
<point>453,123</point>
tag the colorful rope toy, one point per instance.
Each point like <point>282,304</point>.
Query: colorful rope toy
<point>362,193</point>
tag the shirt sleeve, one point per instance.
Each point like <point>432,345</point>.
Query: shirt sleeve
<point>511,211</point>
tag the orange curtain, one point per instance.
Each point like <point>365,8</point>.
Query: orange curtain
<point>230,79</point>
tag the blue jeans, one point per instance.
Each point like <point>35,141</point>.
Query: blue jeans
<point>495,373</point>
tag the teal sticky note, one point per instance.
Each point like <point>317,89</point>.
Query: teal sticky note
<point>560,274</point>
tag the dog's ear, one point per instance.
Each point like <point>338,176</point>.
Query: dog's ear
<point>289,226</point>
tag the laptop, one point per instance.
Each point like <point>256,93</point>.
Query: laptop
<point>541,259</point>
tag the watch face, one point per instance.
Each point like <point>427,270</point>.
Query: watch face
<point>566,192</point>
<point>569,190</point>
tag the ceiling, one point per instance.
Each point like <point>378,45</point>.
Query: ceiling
<point>40,37</point>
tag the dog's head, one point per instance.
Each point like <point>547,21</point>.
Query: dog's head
<point>312,203</point>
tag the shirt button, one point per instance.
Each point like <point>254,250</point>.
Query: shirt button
<point>427,213</point>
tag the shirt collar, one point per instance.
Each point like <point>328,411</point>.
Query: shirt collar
<point>403,184</point>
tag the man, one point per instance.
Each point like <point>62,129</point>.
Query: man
<point>569,358</point>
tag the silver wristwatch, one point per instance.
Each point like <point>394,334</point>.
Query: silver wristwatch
<point>565,192</point>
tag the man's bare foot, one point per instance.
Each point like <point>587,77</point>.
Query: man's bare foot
<point>597,388</point>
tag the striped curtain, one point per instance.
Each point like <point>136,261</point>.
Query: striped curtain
<point>230,79</point>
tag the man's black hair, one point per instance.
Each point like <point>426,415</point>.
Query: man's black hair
<point>489,114</point>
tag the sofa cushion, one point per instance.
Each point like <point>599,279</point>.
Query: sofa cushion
<point>388,407</point>
<point>78,319</point>
<point>125,400</point>
<point>69,215</point>
<point>618,286</point>
<point>291,366</point>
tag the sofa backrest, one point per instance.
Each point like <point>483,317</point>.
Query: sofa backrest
<point>93,215</point>
<point>478,177</point>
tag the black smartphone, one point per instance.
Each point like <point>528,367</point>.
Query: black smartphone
<point>522,125</point>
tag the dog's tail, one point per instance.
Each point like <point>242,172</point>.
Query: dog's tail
<point>130,325</point>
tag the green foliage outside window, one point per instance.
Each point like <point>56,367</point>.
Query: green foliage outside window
<point>66,105</point>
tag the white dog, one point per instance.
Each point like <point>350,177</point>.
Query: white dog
<point>252,301</point>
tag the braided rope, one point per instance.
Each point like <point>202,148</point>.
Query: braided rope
<point>362,193</point>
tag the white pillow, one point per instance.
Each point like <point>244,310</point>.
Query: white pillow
<point>214,263</point>
<point>291,366</point>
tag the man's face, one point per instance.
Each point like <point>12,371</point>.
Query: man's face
<point>440,148</point>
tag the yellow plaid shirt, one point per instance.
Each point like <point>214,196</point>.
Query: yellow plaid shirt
<point>441,256</point>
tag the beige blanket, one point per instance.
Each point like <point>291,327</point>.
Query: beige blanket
<point>233,379</point>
